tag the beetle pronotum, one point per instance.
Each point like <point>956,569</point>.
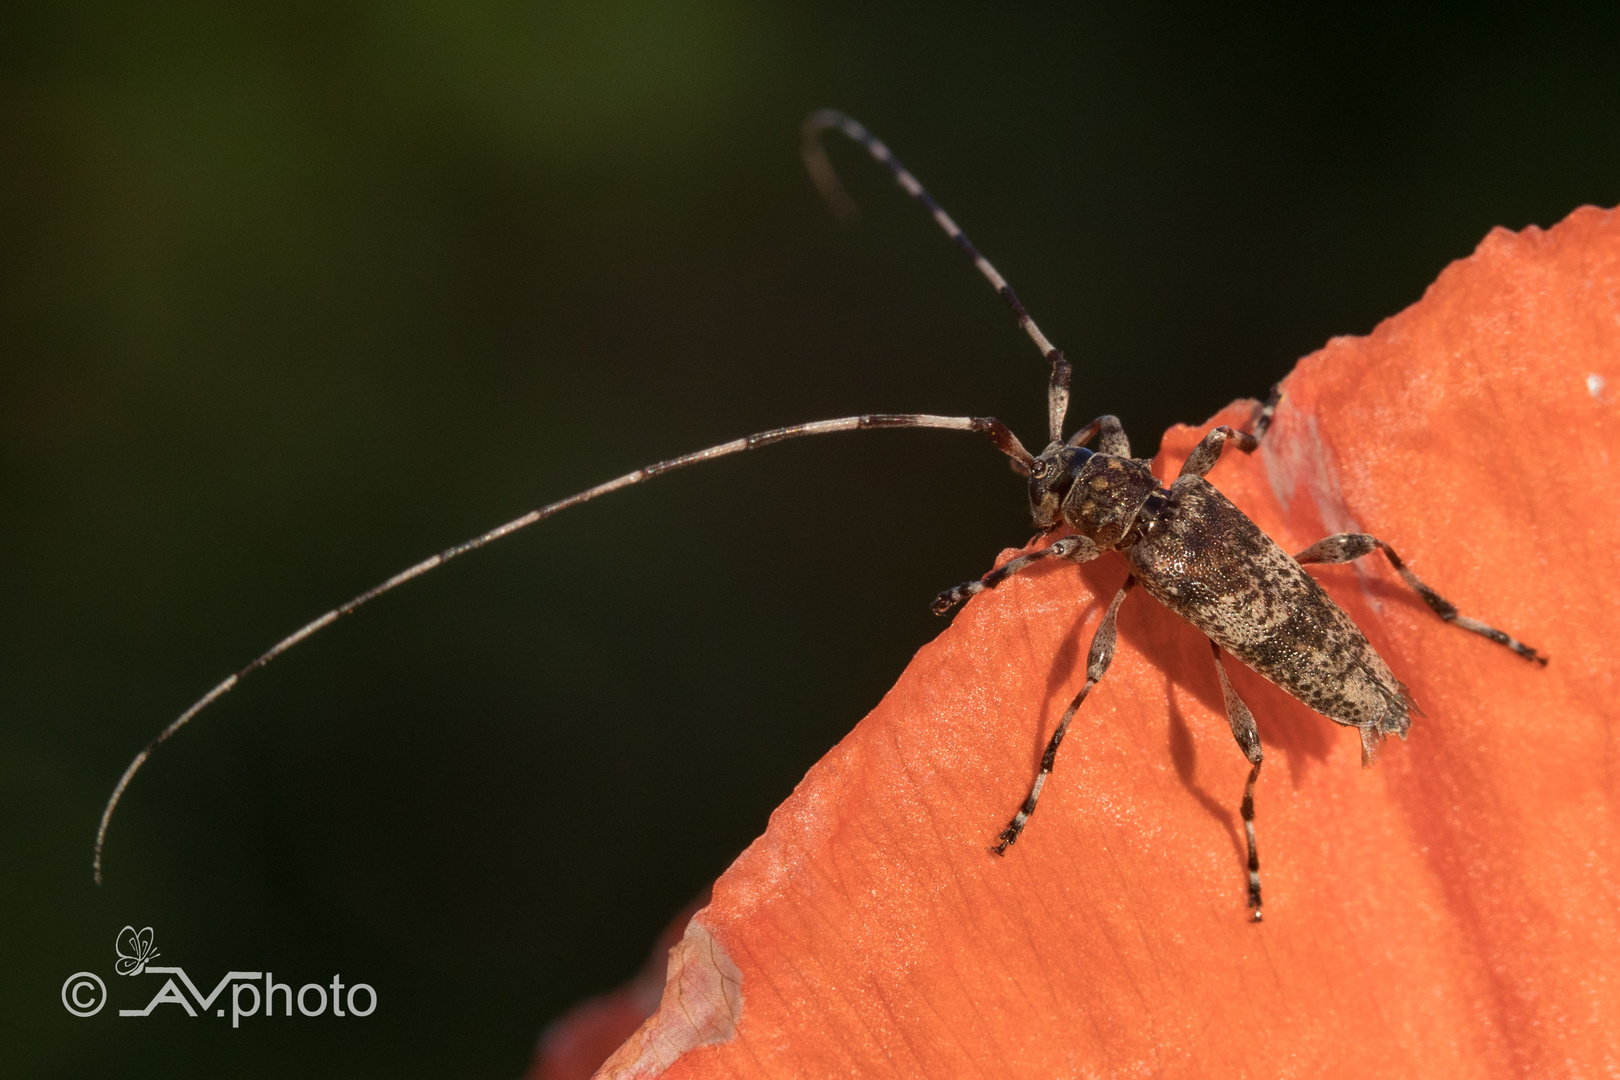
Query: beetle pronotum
<point>1186,545</point>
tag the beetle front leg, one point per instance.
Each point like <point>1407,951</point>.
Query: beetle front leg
<point>1075,548</point>
<point>1097,661</point>
<point>1208,452</point>
<point>1109,433</point>
<point>1248,738</point>
<point>1345,547</point>
<point>1262,417</point>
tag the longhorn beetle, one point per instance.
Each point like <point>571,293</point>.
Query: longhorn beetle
<point>1186,545</point>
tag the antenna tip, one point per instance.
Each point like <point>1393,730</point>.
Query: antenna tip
<point>821,171</point>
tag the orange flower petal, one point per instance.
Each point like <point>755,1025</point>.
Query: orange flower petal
<point>1451,911</point>
<point>577,1042</point>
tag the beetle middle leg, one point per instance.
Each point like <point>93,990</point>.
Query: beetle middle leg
<point>1248,738</point>
<point>1345,547</point>
<point>1097,661</point>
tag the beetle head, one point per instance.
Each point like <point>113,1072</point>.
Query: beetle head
<point>1050,478</point>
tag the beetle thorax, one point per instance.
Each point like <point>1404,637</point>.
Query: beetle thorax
<point>1098,495</point>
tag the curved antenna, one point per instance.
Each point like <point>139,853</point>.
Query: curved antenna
<point>826,181</point>
<point>997,432</point>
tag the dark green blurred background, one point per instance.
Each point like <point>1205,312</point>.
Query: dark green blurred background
<point>294,294</point>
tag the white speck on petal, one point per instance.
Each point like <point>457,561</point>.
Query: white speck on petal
<point>1594,386</point>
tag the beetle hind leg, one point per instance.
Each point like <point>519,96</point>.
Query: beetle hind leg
<point>1372,741</point>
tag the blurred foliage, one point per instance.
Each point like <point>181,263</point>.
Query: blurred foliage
<point>292,294</point>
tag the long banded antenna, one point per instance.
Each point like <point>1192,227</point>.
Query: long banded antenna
<point>826,181</point>
<point>997,432</point>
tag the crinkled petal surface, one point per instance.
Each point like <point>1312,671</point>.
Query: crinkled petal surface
<point>1452,911</point>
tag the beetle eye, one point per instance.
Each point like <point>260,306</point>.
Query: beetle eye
<point>1040,470</point>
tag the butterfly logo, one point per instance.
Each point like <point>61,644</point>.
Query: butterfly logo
<point>134,950</point>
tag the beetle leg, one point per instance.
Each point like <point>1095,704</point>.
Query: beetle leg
<point>1109,433</point>
<point>1074,547</point>
<point>1344,547</point>
<point>1248,737</point>
<point>1208,452</point>
<point>1097,661</point>
<point>1262,418</point>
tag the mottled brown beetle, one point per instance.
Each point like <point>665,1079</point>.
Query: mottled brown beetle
<point>1200,556</point>
<point>1187,545</point>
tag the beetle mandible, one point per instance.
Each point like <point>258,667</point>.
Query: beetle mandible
<point>1186,545</point>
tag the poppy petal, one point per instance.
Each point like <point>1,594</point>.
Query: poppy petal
<point>1453,911</point>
